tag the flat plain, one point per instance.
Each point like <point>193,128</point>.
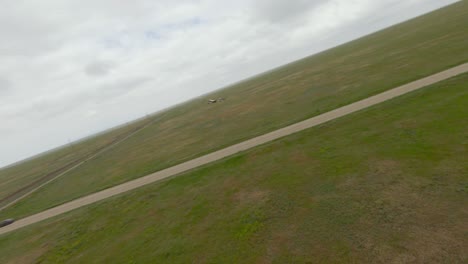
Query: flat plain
<point>292,93</point>
<point>384,185</point>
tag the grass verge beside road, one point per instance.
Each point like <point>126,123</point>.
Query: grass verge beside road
<point>387,184</point>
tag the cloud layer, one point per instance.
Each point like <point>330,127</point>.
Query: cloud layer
<point>72,68</point>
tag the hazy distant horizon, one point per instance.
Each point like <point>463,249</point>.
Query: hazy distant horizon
<point>104,64</point>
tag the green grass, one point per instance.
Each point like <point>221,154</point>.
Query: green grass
<point>385,185</point>
<point>292,93</point>
<point>14,177</point>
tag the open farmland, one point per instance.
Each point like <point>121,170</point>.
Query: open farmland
<point>385,185</point>
<point>20,179</point>
<point>292,93</point>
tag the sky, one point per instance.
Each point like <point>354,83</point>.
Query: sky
<point>69,69</point>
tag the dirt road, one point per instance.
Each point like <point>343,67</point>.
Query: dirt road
<point>251,143</point>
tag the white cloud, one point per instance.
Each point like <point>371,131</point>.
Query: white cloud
<point>98,68</point>
<point>5,86</point>
<point>279,11</point>
<point>101,63</point>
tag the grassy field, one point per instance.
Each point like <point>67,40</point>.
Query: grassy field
<point>292,93</point>
<point>386,185</point>
<point>15,177</point>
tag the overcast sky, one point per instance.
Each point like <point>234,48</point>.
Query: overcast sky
<point>71,68</point>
